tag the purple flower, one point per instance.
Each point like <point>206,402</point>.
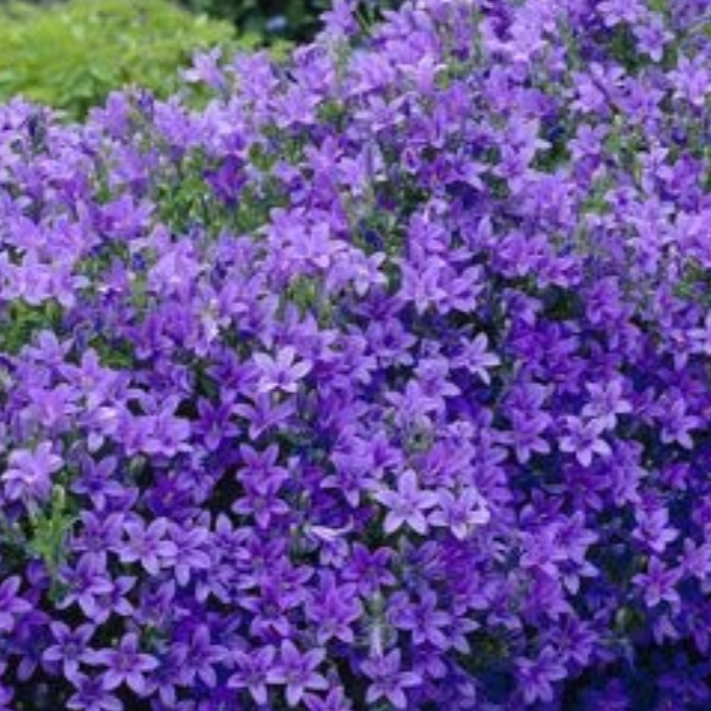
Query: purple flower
<point>281,373</point>
<point>692,80</point>
<point>200,658</point>
<point>206,69</point>
<point>6,698</point>
<point>584,440</point>
<point>125,665</point>
<point>696,560</point>
<point>86,582</point>
<point>263,504</point>
<point>615,12</point>
<point>92,695</point>
<point>652,36</point>
<point>11,604</point>
<point>677,424</point>
<point>334,609</point>
<point>70,648</point>
<point>388,681</point>
<point>334,701</point>
<point>115,600</point>
<point>475,357</point>
<point>460,513</point>
<point>606,403</point>
<point>29,475</point>
<point>164,680</point>
<point>339,21</point>
<point>265,415</point>
<point>659,583</point>
<point>653,528</point>
<point>407,505</point>
<point>525,436</point>
<point>369,569</point>
<point>162,432</point>
<point>253,671</point>
<point>96,481</point>
<point>191,553</point>
<point>148,545</point>
<point>298,671</point>
<point>214,424</point>
<point>424,620</point>
<point>537,676</point>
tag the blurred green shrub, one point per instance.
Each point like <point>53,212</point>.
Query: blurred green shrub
<point>72,55</point>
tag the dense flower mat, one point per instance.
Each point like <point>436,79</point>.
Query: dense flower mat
<point>379,381</point>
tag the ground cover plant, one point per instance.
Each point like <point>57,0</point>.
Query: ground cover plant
<point>378,381</point>
<point>72,55</point>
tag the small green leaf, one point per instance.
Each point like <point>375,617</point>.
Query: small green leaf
<point>50,529</point>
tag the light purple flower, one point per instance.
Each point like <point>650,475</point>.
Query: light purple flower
<point>475,357</point>
<point>148,545</point>
<point>29,476</point>
<point>407,505</point>
<point>461,513</point>
<point>281,373</point>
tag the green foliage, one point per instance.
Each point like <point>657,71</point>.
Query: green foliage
<point>19,322</point>
<point>50,529</point>
<point>72,55</point>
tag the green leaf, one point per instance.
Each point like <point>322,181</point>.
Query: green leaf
<point>50,529</point>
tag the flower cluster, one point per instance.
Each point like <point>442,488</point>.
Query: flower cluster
<point>379,379</point>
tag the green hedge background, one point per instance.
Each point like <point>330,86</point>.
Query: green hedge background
<point>70,54</point>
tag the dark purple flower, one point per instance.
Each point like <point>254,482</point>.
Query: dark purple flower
<point>92,695</point>
<point>11,604</point>
<point>334,701</point>
<point>70,648</point>
<point>253,671</point>
<point>200,658</point>
<point>86,582</point>
<point>369,569</point>
<point>125,665</point>
<point>584,440</point>
<point>423,619</point>
<point>659,583</point>
<point>537,676</point>
<point>298,672</point>
<point>388,681</point>
<point>334,609</point>
<point>191,554</point>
